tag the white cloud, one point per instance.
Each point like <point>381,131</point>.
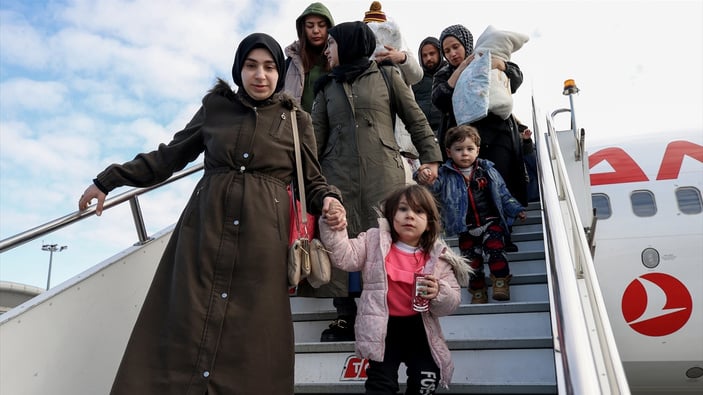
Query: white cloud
<point>22,45</point>
<point>29,95</point>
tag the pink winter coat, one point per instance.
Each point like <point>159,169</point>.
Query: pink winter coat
<point>367,253</point>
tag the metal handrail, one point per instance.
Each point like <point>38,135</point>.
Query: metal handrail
<point>593,366</point>
<point>131,196</point>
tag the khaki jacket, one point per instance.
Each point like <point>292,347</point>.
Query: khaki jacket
<point>357,149</point>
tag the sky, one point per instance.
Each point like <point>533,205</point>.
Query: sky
<point>87,83</point>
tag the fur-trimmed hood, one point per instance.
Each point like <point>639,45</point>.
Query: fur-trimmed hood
<point>459,264</point>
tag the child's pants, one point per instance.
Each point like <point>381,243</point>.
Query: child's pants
<point>487,246</point>
<point>406,341</point>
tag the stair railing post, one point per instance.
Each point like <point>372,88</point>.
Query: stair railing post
<point>138,221</point>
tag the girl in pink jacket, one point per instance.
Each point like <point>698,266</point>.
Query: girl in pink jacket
<point>388,330</point>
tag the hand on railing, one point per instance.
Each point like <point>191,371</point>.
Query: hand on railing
<point>92,192</point>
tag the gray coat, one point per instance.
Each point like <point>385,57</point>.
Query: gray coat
<point>217,316</point>
<point>357,148</point>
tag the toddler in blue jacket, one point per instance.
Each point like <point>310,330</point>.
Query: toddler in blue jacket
<point>476,205</point>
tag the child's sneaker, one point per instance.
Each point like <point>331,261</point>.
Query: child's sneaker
<point>501,287</point>
<point>479,296</point>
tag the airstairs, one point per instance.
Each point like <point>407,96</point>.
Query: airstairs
<point>553,336</point>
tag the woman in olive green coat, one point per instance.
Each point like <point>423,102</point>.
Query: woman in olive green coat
<point>353,120</point>
<point>217,316</point>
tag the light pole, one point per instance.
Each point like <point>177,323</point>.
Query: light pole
<point>51,248</point>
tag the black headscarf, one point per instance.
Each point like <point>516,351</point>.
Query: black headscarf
<point>259,40</point>
<point>355,44</point>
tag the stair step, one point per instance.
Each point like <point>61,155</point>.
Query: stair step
<point>527,249</point>
<point>481,331</point>
<point>523,298</point>
<point>527,232</point>
<point>495,331</point>
<point>520,294</point>
<point>476,371</point>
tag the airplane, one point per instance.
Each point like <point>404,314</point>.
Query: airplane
<point>646,193</point>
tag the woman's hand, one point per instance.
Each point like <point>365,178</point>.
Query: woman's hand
<point>459,69</point>
<point>499,64</point>
<point>334,214</point>
<point>394,55</point>
<point>92,192</point>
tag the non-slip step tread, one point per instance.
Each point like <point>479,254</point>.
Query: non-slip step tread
<point>476,371</point>
<point>523,298</point>
<point>509,330</point>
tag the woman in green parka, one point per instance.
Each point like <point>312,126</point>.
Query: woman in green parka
<point>353,119</point>
<point>217,316</point>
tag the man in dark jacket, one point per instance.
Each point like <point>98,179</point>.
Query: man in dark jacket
<point>431,60</point>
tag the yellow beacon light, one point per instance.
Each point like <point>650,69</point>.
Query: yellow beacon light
<point>570,87</point>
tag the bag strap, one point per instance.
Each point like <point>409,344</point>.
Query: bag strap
<point>299,168</point>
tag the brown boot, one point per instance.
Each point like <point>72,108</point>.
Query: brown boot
<point>501,287</point>
<point>479,296</point>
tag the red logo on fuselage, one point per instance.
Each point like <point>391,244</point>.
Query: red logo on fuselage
<point>625,169</point>
<point>656,304</point>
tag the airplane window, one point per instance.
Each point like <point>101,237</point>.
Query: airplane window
<point>643,203</point>
<point>689,200</point>
<point>601,202</point>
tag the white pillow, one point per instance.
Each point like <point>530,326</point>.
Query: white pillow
<point>470,97</point>
<point>386,33</point>
<point>501,43</point>
<point>500,98</point>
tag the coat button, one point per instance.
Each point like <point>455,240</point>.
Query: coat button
<point>224,295</point>
<point>206,374</point>
<point>242,168</point>
<point>245,155</point>
<point>236,222</point>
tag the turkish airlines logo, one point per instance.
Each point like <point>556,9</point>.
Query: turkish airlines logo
<point>354,368</point>
<point>624,169</point>
<point>656,304</point>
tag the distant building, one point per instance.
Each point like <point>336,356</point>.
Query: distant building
<point>14,294</point>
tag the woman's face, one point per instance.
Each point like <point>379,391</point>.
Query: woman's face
<point>453,50</point>
<point>331,52</point>
<point>259,74</point>
<point>316,30</point>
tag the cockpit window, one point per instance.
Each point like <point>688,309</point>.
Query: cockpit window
<point>601,202</point>
<point>689,200</point>
<point>643,203</point>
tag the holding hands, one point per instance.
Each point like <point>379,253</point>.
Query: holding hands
<point>334,214</point>
<point>427,173</point>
